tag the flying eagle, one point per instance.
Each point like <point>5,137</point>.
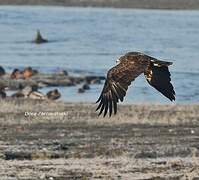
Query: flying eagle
<point>129,67</point>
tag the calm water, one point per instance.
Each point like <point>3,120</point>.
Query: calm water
<point>89,40</point>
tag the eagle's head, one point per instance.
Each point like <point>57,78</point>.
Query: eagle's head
<point>120,59</point>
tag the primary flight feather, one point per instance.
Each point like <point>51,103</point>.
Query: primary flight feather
<point>130,66</point>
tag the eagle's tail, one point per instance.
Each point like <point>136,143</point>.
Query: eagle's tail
<point>158,76</point>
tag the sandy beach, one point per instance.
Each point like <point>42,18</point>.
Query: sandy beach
<point>57,140</point>
<point>137,4</point>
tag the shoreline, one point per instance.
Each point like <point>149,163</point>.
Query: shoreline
<point>143,113</point>
<point>135,4</point>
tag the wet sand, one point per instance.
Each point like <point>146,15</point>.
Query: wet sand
<point>142,4</point>
<point>56,140</point>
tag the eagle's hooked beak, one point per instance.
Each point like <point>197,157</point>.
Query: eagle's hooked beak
<point>117,61</point>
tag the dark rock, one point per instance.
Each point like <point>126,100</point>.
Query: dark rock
<point>53,95</point>
<point>39,39</point>
<point>86,86</point>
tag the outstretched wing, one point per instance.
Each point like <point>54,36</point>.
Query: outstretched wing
<point>158,76</point>
<point>116,85</point>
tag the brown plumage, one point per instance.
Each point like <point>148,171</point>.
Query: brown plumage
<point>130,66</point>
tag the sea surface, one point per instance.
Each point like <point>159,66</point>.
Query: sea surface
<point>89,40</point>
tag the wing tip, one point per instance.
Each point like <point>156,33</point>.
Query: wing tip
<point>106,109</point>
<point>171,97</point>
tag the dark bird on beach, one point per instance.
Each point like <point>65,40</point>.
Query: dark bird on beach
<point>86,86</point>
<point>16,74</point>
<point>25,74</point>
<point>29,92</point>
<point>39,39</point>
<point>54,94</point>
<point>28,72</point>
<point>129,67</point>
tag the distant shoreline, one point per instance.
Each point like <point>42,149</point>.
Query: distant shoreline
<point>134,4</point>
